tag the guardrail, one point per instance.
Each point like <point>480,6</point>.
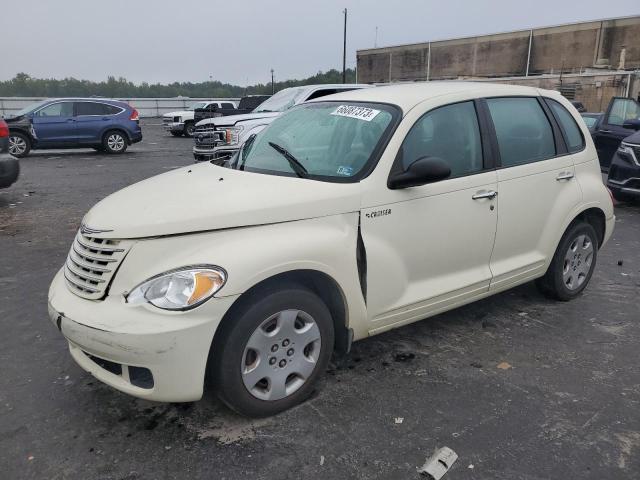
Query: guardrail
<point>147,107</point>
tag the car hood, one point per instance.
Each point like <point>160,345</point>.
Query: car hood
<point>180,113</point>
<point>206,197</point>
<point>233,119</point>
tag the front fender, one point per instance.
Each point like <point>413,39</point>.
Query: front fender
<point>253,254</point>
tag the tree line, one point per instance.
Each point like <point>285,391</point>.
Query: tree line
<point>23,85</point>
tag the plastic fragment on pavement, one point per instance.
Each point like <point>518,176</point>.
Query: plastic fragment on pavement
<point>439,463</point>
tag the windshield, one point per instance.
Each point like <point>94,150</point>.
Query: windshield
<point>29,108</point>
<point>283,100</point>
<point>197,105</point>
<point>330,141</point>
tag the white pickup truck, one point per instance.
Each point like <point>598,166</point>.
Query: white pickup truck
<point>181,122</point>
<point>219,138</point>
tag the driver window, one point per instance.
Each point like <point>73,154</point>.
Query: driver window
<point>450,133</point>
<point>623,109</point>
<point>60,109</point>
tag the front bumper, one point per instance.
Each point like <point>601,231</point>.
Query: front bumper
<point>218,153</point>
<point>624,175</point>
<point>174,126</point>
<point>139,350</point>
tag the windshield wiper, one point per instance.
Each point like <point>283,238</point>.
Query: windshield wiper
<point>293,161</point>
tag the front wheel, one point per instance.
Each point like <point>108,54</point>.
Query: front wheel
<point>572,265</point>
<point>189,129</point>
<point>19,145</point>
<point>114,142</point>
<point>270,354</point>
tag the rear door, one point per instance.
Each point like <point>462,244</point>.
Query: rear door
<point>55,124</point>
<point>610,133</point>
<point>536,187</point>
<point>92,119</point>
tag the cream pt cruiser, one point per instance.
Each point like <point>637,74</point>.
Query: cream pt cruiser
<point>347,216</point>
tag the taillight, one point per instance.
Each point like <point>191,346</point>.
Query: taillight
<point>4,129</point>
<point>134,115</point>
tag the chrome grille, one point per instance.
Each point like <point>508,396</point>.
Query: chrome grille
<point>91,264</point>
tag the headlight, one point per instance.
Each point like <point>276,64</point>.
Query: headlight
<point>180,289</point>
<point>232,135</point>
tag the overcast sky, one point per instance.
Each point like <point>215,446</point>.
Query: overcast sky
<point>239,42</point>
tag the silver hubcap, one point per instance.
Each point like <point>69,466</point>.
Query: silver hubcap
<point>281,355</point>
<point>17,145</point>
<point>190,129</point>
<point>577,262</point>
<point>115,142</point>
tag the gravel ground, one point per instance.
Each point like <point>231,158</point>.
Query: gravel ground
<point>518,386</point>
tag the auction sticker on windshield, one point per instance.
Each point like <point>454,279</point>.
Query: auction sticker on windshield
<point>351,111</point>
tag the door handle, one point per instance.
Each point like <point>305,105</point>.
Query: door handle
<point>564,176</point>
<point>485,194</point>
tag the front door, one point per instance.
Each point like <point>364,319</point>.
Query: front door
<point>428,247</point>
<point>611,132</point>
<point>55,124</point>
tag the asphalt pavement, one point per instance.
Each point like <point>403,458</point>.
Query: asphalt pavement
<point>519,386</point>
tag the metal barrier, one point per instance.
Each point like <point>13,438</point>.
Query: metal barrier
<point>147,107</point>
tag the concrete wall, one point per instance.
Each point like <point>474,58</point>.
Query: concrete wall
<point>571,48</point>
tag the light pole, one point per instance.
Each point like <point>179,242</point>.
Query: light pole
<point>273,88</point>
<point>344,50</point>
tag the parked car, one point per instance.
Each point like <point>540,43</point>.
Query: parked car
<point>218,139</point>
<point>609,128</point>
<point>624,174</point>
<point>102,124</point>
<point>247,105</point>
<point>345,217</point>
<point>182,122</point>
<point>578,106</point>
<point>9,166</point>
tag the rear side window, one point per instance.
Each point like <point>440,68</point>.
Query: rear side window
<point>570,129</point>
<point>523,130</point>
<point>450,133</point>
<point>623,109</point>
<point>94,108</point>
<point>227,105</point>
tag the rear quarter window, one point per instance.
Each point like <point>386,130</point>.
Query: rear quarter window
<point>569,127</point>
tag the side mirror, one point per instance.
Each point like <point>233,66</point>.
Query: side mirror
<point>424,170</point>
<point>632,124</point>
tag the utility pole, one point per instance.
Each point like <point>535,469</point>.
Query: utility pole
<point>344,50</point>
<point>375,41</point>
<point>272,84</point>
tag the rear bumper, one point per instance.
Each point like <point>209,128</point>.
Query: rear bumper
<point>9,170</point>
<point>138,350</point>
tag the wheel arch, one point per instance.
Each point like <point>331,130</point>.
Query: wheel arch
<point>320,283</point>
<point>595,217</point>
<point>115,129</point>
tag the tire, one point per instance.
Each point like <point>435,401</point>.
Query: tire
<point>115,142</point>
<point>189,129</point>
<point>176,134</point>
<point>19,144</point>
<point>257,375</point>
<point>572,265</point>
<point>9,172</point>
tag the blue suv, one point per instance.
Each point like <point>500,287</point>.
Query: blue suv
<point>105,125</point>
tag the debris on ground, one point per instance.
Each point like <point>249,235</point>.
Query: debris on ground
<point>504,366</point>
<point>399,419</point>
<point>404,356</point>
<point>439,463</point>
<point>620,263</point>
<point>321,460</point>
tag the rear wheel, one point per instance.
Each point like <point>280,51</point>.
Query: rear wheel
<point>573,263</point>
<point>189,129</point>
<point>272,351</point>
<point>19,144</point>
<point>114,141</point>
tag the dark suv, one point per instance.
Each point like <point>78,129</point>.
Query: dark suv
<point>9,167</point>
<point>105,125</point>
<point>624,174</point>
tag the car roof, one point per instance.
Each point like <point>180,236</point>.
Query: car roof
<point>85,99</point>
<point>408,95</point>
